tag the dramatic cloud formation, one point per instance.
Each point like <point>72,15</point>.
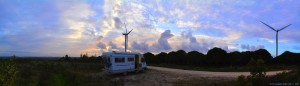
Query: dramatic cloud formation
<point>56,27</point>
<point>193,44</point>
<point>163,43</point>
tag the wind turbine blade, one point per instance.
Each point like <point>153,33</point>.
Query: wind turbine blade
<point>268,25</point>
<point>284,27</point>
<point>129,31</point>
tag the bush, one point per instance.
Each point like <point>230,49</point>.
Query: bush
<point>8,72</point>
<point>257,68</point>
<point>258,74</point>
<point>242,81</point>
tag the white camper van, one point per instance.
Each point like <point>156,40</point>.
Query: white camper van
<point>123,62</point>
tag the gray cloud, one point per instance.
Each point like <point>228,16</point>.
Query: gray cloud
<point>193,44</point>
<point>113,46</point>
<point>101,45</point>
<point>251,47</point>
<point>118,23</point>
<point>144,47</point>
<point>163,43</point>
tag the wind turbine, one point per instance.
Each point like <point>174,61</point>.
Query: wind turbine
<point>126,37</point>
<point>276,34</point>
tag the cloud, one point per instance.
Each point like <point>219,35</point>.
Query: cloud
<point>74,27</point>
<point>192,43</point>
<point>118,23</point>
<point>112,45</point>
<point>268,40</point>
<point>140,47</point>
<point>163,43</point>
<point>188,24</point>
<point>251,47</point>
<point>102,45</point>
<point>146,20</point>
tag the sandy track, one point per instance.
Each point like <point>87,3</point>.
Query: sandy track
<point>160,76</point>
<point>208,73</point>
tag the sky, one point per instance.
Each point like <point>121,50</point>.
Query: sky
<point>74,27</point>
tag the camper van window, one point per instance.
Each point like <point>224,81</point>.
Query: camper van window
<point>130,59</point>
<point>119,60</point>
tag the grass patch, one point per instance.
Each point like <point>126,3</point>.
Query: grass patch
<point>223,69</point>
<point>58,73</point>
<point>203,82</point>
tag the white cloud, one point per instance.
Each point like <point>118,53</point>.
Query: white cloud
<point>177,12</point>
<point>188,24</point>
<point>268,40</point>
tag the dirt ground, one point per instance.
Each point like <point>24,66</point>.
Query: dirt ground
<point>159,76</point>
<point>208,73</point>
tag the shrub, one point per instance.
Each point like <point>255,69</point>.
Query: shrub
<point>257,68</point>
<point>258,75</point>
<point>242,81</point>
<point>8,72</point>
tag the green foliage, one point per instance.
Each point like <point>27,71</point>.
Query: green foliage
<point>8,72</point>
<point>58,80</point>
<point>292,76</point>
<point>217,57</point>
<point>66,58</point>
<point>264,55</point>
<point>257,68</point>
<point>59,73</point>
<point>288,58</point>
<point>242,81</point>
<point>202,82</point>
<point>83,59</point>
<point>258,75</point>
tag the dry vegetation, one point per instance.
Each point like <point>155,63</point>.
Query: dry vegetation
<point>88,72</point>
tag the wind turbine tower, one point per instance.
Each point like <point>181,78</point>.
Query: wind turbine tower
<point>276,34</point>
<point>126,37</point>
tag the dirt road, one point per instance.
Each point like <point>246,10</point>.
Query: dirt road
<point>160,76</point>
<point>207,73</point>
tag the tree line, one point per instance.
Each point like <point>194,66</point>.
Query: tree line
<point>219,58</point>
<point>83,58</point>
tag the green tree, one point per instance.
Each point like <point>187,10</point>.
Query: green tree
<point>257,68</point>
<point>264,55</point>
<point>149,57</point>
<point>67,56</point>
<point>8,72</point>
<point>258,72</point>
<point>218,57</point>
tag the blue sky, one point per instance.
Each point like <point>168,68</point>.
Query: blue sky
<point>59,27</point>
